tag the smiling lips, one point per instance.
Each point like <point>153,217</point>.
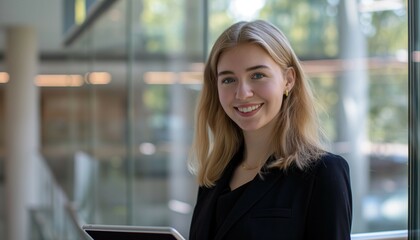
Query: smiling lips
<point>248,109</point>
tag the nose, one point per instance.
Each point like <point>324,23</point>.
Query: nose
<point>244,90</point>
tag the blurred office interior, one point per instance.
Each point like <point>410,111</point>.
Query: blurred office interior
<point>97,103</point>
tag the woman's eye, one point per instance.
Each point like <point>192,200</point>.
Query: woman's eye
<point>227,80</point>
<point>257,76</point>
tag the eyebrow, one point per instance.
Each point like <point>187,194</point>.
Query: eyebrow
<point>248,69</point>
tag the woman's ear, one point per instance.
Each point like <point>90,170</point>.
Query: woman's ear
<point>290,78</point>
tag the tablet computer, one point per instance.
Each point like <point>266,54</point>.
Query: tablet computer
<point>121,232</point>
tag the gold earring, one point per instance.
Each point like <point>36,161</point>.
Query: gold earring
<point>286,93</point>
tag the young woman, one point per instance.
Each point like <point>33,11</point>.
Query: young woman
<point>257,153</point>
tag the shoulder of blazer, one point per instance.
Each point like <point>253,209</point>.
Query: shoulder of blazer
<point>330,171</point>
<point>328,163</point>
<point>332,177</point>
<point>331,163</point>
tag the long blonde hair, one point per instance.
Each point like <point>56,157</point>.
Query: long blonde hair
<point>217,138</point>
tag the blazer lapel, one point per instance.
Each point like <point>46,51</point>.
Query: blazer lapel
<point>209,206</point>
<point>255,191</point>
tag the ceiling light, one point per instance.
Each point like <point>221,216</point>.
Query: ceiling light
<point>191,78</point>
<point>160,78</point>
<point>59,80</point>
<point>99,78</point>
<point>4,77</point>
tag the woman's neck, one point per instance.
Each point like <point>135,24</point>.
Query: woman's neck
<point>257,146</point>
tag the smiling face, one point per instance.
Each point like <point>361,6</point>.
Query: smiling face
<point>251,86</point>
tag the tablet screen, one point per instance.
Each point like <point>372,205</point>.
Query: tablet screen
<point>109,232</point>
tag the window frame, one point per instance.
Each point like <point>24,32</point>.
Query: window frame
<point>414,118</point>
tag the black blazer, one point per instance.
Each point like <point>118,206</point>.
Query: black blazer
<point>292,205</point>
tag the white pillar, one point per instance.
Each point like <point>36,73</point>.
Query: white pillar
<point>353,106</point>
<point>22,129</point>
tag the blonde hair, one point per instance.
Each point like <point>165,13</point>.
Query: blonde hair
<point>217,138</point>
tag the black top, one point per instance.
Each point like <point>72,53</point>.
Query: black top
<point>225,203</point>
<point>315,203</point>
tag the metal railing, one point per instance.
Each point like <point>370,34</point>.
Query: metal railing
<point>54,217</point>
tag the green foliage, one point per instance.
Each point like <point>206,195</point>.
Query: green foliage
<point>388,110</point>
<point>155,98</point>
<point>326,95</point>
<point>390,33</point>
<point>311,31</point>
<point>161,26</point>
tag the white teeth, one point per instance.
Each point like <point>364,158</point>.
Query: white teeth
<point>248,109</point>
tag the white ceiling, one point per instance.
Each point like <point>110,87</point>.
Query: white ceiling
<point>47,16</point>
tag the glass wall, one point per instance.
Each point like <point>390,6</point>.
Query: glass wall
<point>355,54</point>
<point>124,133</point>
<point>130,134</point>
